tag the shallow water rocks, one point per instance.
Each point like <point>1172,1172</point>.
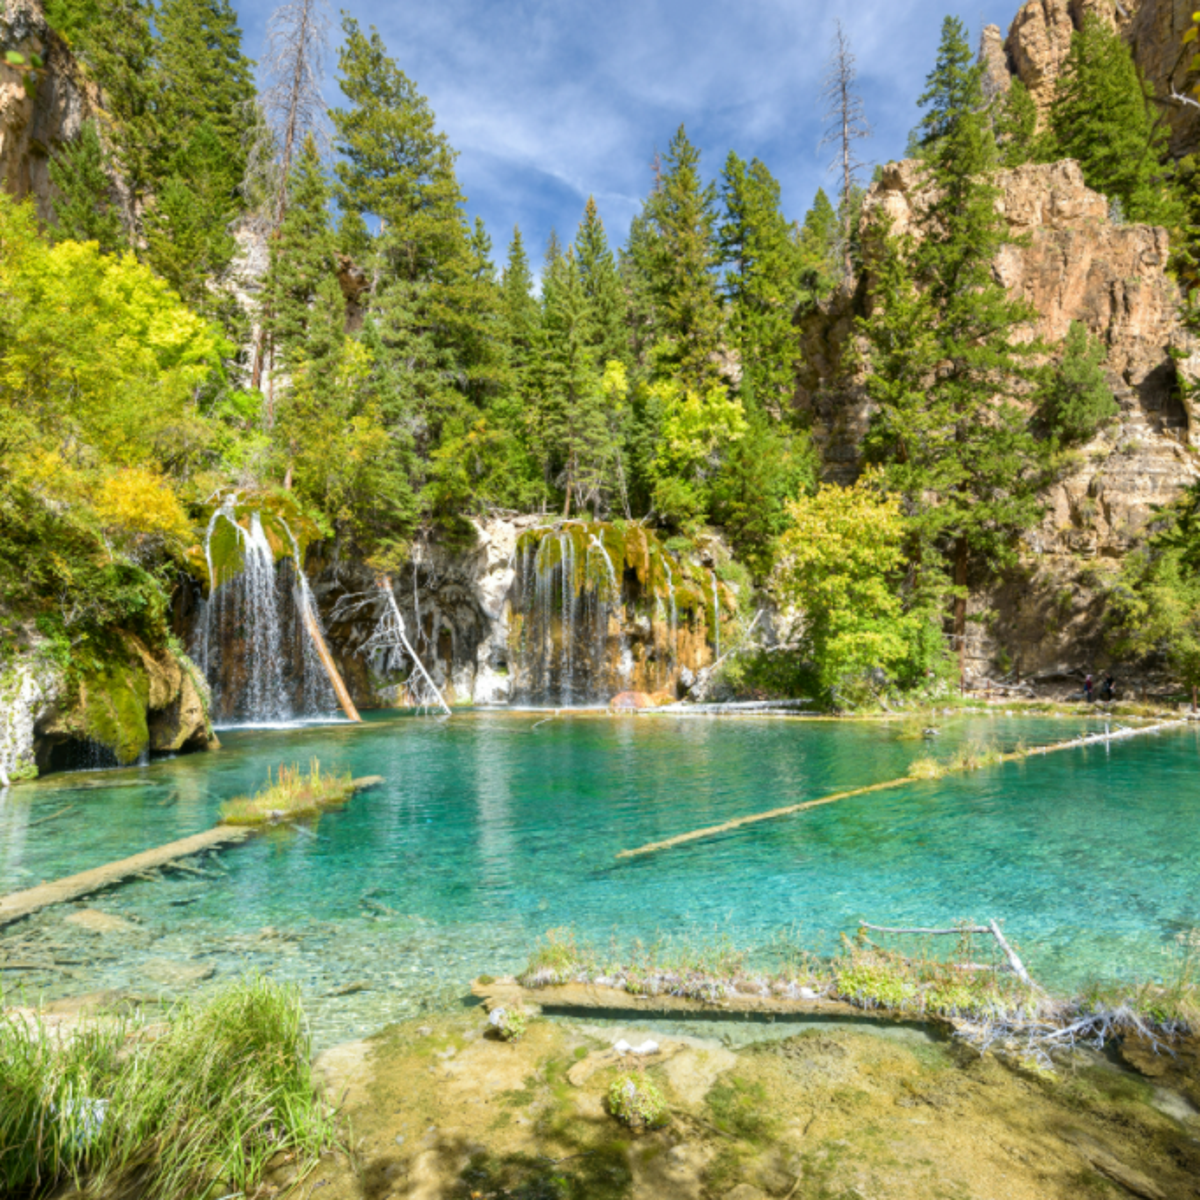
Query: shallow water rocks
<point>173,974</point>
<point>95,921</point>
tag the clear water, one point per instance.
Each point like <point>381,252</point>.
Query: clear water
<point>492,828</point>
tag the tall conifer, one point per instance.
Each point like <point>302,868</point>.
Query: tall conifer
<point>202,78</point>
<point>597,267</point>
<point>85,208</point>
<point>945,349</point>
<point>1102,116</point>
<point>761,264</point>
<point>682,269</point>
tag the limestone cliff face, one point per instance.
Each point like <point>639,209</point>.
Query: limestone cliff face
<point>39,111</point>
<point>1071,264</point>
<point>1040,37</point>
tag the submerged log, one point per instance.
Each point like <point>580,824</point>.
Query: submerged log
<point>904,781</point>
<point>21,904</point>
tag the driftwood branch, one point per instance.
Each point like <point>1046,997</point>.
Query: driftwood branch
<point>1015,965</point>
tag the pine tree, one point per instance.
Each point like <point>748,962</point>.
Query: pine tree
<point>601,282</point>
<point>817,250</point>
<point>944,350</point>
<point>951,88</point>
<point>303,258</point>
<point>1076,398</point>
<point>578,434</point>
<point>187,229</point>
<point>1102,116</point>
<point>635,268</point>
<point>84,206</point>
<point>202,78</point>
<point>682,269</point>
<point>517,305</point>
<point>761,283</point>
<point>1016,125</point>
<point>435,305</point>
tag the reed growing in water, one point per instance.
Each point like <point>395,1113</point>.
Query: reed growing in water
<point>289,795</point>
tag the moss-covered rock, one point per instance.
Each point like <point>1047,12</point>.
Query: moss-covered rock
<point>139,700</point>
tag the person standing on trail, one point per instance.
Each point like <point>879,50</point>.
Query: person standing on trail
<point>1106,690</point>
<point>1087,688</point>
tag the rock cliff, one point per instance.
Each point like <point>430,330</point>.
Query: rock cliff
<point>1039,39</point>
<point>39,110</point>
<point>1071,264</point>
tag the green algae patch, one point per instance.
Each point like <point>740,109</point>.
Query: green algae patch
<point>291,795</point>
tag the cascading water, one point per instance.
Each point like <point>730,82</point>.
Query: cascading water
<point>251,641</point>
<point>603,608</point>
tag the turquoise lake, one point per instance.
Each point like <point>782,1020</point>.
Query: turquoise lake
<point>493,827</point>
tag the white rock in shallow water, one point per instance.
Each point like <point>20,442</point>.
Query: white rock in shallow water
<point>621,1046</point>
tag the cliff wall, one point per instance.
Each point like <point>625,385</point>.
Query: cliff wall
<point>39,110</point>
<point>1039,39</point>
<point>1071,264</point>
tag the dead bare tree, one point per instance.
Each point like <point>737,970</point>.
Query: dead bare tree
<point>290,108</point>
<point>847,124</point>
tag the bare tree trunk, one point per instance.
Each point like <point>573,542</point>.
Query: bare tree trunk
<point>847,123</point>
<point>960,604</point>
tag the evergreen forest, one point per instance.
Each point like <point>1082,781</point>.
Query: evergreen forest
<point>398,369</point>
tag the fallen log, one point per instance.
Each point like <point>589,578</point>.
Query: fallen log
<point>21,904</point>
<point>904,781</point>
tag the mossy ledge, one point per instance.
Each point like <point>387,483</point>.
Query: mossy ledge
<point>138,701</point>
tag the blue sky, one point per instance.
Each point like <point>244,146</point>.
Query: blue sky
<point>550,101</point>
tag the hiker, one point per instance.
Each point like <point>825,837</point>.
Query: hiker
<point>1087,688</point>
<point>1106,691</point>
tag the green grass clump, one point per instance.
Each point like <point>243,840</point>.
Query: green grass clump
<point>926,767</point>
<point>290,795</point>
<point>637,1101</point>
<point>192,1110</point>
<point>557,958</point>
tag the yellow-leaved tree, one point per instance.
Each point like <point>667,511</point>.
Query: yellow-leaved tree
<point>841,565</point>
<point>100,367</point>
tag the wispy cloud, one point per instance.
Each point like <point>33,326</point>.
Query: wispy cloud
<point>550,101</point>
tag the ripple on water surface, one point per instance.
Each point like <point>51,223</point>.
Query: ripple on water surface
<point>490,831</point>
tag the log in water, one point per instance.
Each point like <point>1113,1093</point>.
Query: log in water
<point>788,809</point>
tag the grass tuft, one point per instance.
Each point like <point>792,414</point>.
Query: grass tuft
<point>290,795</point>
<point>193,1109</point>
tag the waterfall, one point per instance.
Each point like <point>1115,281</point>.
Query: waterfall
<point>599,609</point>
<point>674,625</point>
<point>603,606</point>
<point>251,642</point>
